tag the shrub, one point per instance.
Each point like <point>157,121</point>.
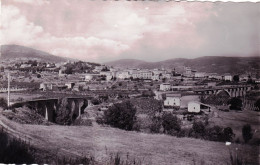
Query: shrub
<point>3,103</point>
<point>198,129</point>
<point>228,134</point>
<point>247,132</point>
<point>121,115</point>
<point>170,123</point>
<point>235,103</point>
<point>215,133</point>
<point>95,101</point>
<point>156,125</point>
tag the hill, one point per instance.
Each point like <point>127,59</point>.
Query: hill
<point>13,52</point>
<point>209,64</point>
<point>102,142</point>
<point>126,63</point>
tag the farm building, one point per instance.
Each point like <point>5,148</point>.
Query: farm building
<point>197,107</point>
<point>172,100</point>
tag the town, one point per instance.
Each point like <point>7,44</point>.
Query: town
<point>162,101</point>
<point>129,82</point>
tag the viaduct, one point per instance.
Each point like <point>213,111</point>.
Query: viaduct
<point>232,91</point>
<point>71,107</point>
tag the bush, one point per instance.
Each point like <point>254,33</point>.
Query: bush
<point>247,132</point>
<point>3,103</point>
<point>121,115</point>
<point>215,133</point>
<point>156,125</point>
<point>235,103</point>
<point>95,101</point>
<point>228,134</point>
<point>198,129</point>
<point>170,124</point>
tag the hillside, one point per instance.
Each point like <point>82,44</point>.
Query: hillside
<point>9,52</point>
<point>126,63</point>
<point>102,142</point>
<point>210,64</point>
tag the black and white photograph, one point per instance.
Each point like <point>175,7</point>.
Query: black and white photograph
<point>123,82</point>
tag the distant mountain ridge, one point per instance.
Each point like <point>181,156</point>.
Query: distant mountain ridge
<point>209,64</point>
<point>17,52</point>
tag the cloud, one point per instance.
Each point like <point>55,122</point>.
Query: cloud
<point>16,29</point>
<point>33,2</point>
<point>106,30</point>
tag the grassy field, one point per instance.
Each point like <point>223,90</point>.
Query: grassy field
<point>101,142</point>
<point>236,120</point>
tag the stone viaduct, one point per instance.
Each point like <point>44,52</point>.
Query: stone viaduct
<point>50,108</point>
<point>233,91</point>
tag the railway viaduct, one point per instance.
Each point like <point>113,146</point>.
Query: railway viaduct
<point>233,91</point>
<point>52,107</point>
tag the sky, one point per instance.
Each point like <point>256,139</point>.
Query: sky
<point>101,31</point>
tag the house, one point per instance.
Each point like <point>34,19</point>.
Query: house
<point>196,107</point>
<point>165,87</point>
<point>227,77</point>
<point>45,86</point>
<point>70,85</point>
<point>172,100</point>
<point>123,75</point>
<point>143,74</point>
<point>156,77</point>
<point>200,74</point>
<point>89,77</point>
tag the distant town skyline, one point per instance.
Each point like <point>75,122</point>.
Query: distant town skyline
<point>104,31</point>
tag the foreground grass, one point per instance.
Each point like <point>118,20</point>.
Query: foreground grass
<point>99,142</point>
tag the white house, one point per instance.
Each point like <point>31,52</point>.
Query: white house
<point>45,86</point>
<point>89,77</point>
<point>165,87</point>
<point>200,74</point>
<point>227,77</point>
<point>123,75</point>
<point>172,100</point>
<point>196,107</point>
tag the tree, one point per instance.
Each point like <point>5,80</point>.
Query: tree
<point>236,78</point>
<point>3,103</point>
<point>247,132</point>
<point>257,104</point>
<point>95,101</point>
<point>121,115</point>
<point>199,129</point>
<point>170,123</point>
<point>228,134</point>
<point>39,76</point>
<point>235,103</point>
<point>156,124</point>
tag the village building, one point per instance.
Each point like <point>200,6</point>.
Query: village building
<point>123,75</point>
<point>197,107</point>
<point>46,86</point>
<point>142,74</point>
<point>172,100</point>
<point>200,74</point>
<point>227,77</point>
<point>165,87</point>
<point>156,77</point>
<point>89,77</point>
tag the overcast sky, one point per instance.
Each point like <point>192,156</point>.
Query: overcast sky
<point>103,31</point>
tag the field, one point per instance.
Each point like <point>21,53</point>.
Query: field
<point>100,142</point>
<point>236,120</point>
